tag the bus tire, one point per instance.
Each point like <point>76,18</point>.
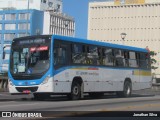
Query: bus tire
<point>96,95</point>
<point>75,91</point>
<point>127,90</point>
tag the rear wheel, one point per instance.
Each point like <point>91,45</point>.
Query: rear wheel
<point>127,90</point>
<point>75,91</point>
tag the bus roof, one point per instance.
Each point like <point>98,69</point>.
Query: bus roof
<point>105,44</point>
<point>93,42</point>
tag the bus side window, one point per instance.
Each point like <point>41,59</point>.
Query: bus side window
<point>92,55</point>
<point>132,60</point>
<point>108,58</point>
<point>87,56</point>
<point>126,58</point>
<point>60,56</point>
<point>100,59</point>
<point>142,62</point>
<point>119,58</point>
<point>78,53</point>
<point>148,60</point>
<point>103,56</point>
<point>137,59</point>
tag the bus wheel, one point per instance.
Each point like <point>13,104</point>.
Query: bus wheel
<point>96,95</point>
<point>127,90</point>
<point>75,91</point>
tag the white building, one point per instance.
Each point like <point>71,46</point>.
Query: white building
<point>58,24</point>
<point>140,21</point>
<point>55,5</point>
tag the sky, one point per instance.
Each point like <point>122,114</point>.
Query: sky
<point>78,9</point>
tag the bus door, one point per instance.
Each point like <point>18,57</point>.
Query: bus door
<point>61,61</point>
<point>61,51</point>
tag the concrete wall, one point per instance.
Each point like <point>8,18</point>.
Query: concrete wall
<point>141,23</point>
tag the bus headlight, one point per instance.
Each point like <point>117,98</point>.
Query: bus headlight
<point>46,80</point>
<point>10,82</point>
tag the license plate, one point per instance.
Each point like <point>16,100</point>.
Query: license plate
<point>26,91</point>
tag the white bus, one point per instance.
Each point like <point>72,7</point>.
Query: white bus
<point>50,65</point>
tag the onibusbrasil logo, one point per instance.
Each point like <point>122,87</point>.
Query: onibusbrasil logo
<point>21,114</point>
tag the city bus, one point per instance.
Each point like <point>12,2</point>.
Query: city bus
<point>48,65</point>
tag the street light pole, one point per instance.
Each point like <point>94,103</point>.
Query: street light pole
<point>123,35</point>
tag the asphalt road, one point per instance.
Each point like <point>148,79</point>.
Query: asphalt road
<point>61,106</point>
<point>108,103</point>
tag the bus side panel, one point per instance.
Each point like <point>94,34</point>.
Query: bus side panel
<point>62,82</point>
<point>46,87</point>
<point>135,79</point>
<point>110,81</point>
<point>99,79</point>
<point>89,86</point>
<point>145,79</point>
<point>62,87</point>
<point>88,75</point>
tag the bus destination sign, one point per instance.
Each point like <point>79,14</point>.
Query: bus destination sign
<point>31,41</point>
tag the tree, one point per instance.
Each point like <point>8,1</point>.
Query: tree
<point>153,61</point>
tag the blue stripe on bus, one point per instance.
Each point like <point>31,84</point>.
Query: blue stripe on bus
<point>105,44</point>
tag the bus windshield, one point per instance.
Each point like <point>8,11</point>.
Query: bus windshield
<point>30,58</point>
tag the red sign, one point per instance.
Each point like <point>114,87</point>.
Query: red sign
<point>42,48</point>
<point>26,91</point>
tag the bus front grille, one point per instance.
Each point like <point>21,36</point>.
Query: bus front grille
<point>21,89</point>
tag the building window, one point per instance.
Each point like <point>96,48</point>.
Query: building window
<point>0,26</point>
<point>10,17</point>
<point>9,36</point>
<point>23,16</point>
<point>22,35</point>
<point>1,17</point>
<point>43,1</point>
<point>23,26</point>
<point>10,26</point>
